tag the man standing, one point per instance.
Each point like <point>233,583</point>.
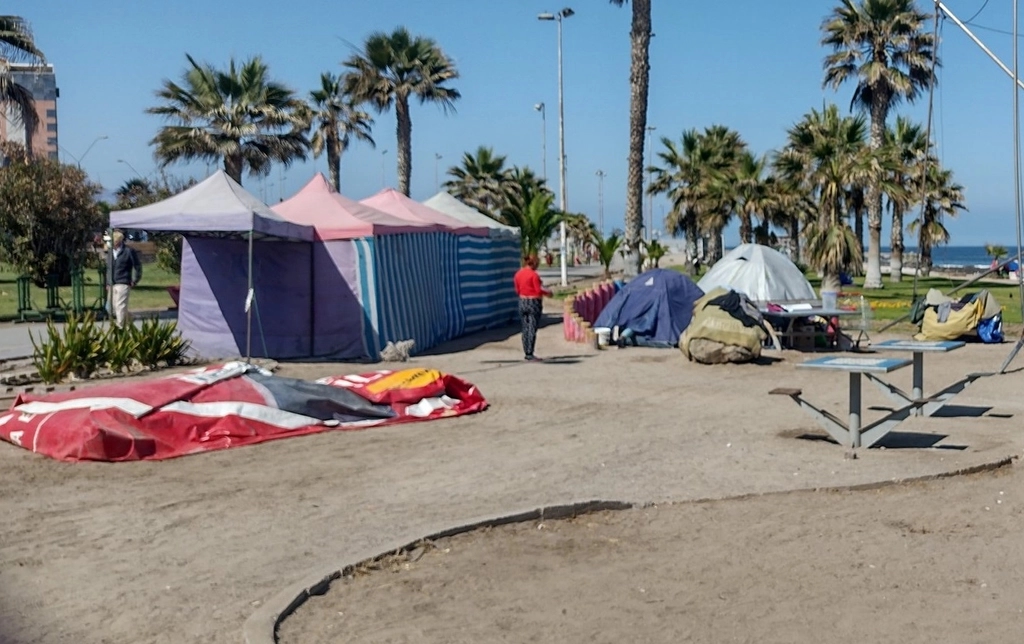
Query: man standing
<point>125,273</point>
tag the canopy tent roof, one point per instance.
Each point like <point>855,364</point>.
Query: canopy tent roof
<point>761,273</point>
<point>335,216</point>
<point>449,205</point>
<point>395,203</point>
<point>215,205</point>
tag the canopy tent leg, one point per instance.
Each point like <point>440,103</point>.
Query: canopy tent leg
<point>250,296</point>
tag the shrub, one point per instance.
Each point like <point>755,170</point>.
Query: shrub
<point>81,347</point>
<point>76,349</point>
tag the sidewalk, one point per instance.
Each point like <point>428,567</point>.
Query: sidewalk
<point>15,341</point>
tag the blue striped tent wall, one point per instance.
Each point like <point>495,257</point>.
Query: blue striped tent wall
<point>366,267</point>
<point>411,302</point>
<point>486,268</point>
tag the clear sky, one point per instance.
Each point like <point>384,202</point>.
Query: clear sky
<point>752,65</point>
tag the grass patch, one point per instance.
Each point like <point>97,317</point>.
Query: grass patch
<point>151,294</point>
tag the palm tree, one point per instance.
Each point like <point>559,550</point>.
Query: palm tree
<point>481,181</point>
<point>910,147</point>
<point>536,220</point>
<point>336,120</point>
<point>17,45</point>
<point>639,78</point>
<point>237,116</point>
<point>390,70</point>
<point>606,248</point>
<point>826,154</point>
<point>882,45</point>
<point>655,250</point>
<point>580,230</point>
<point>521,186</point>
<point>942,196</point>
<point>725,150</point>
<point>695,178</point>
<point>996,252</point>
<point>750,192</point>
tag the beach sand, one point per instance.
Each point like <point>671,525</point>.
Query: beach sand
<point>188,549</point>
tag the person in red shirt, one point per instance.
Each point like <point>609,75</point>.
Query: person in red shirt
<point>531,293</point>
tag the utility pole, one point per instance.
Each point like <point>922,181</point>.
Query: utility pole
<point>543,139</point>
<point>563,198</point>
<point>437,184</point>
<point>600,201</point>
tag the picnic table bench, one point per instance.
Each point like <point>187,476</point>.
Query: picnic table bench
<point>851,433</point>
<point>919,348</point>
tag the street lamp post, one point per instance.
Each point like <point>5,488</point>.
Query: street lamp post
<point>600,200</point>
<point>132,168</point>
<point>94,142</point>
<point>437,182</point>
<point>543,139</point>
<point>650,195</point>
<point>383,179</point>
<point>563,192</point>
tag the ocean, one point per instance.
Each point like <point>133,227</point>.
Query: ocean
<point>956,256</point>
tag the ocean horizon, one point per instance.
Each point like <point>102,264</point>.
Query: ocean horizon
<point>957,256</point>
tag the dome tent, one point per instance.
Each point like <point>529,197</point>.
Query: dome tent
<point>761,273</point>
<point>656,306</point>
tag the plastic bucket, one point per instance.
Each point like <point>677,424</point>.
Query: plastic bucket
<point>604,335</point>
<point>829,300</point>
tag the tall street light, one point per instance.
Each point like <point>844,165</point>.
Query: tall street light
<point>94,142</point>
<point>543,139</point>
<point>437,184</point>
<point>600,200</point>
<point>563,193</point>
<point>383,179</point>
<point>650,195</point>
<point>132,168</point>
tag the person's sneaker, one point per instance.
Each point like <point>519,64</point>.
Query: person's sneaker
<point>532,358</point>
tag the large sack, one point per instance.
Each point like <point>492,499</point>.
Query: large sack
<point>715,336</point>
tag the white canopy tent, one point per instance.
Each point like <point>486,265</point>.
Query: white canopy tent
<point>449,205</point>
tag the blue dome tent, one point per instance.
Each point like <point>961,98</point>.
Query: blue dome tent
<point>655,306</point>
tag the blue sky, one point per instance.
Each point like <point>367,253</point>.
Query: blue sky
<point>747,64</point>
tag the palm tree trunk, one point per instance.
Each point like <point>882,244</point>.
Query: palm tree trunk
<point>716,250</point>
<point>404,126</point>
<point>334,161</point>
<point>896,254</point>
<point>873,275</point>
<point>793,243</point>
<point>233,167</point>
<point>746,231</point>
<point>691,232</point>
<point>924,260</point>
<point>858,228</point>
<point>639,77</point>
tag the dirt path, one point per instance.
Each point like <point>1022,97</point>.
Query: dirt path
<point>921,563</point>
<point>184,550</point>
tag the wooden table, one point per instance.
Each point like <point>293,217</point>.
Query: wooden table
<point>933,403</point>
<point>851,433</point>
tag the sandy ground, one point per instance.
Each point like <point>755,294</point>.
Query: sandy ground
<point>920,563</point>
<point>185,550</point>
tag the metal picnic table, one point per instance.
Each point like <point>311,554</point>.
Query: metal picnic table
<point>935,402</point>
<point>789,333</point>
<point>851,434</point>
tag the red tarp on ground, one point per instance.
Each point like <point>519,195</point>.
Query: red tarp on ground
<point>224,406</point>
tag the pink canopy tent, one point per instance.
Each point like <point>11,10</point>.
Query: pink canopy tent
<point>335,216</point>
<point>395,203</point>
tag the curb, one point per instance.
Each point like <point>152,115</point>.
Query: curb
<point>261,627</point>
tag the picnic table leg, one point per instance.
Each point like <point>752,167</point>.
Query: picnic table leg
<point>918,391</point>
<point>854,424</point>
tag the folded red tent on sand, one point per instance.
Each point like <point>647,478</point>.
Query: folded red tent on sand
<point>224,406</point>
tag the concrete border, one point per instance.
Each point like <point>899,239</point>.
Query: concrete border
<point>261,627</point>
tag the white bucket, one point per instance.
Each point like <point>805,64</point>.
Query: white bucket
<point>604,335</point>
<point>829,300</point>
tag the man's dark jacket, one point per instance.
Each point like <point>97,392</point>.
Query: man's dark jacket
<point>124,263</point>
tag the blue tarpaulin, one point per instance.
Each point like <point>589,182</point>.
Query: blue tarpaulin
<point>656,306</point>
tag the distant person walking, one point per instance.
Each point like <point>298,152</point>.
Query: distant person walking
<point>531,293</point>
<point>125,273</point>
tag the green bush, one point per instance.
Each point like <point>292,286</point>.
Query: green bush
<point>81,347</point>
<point>78,349</point>
<point>159,343</point>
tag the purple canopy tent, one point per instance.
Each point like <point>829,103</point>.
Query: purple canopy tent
<point>215,216</point>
